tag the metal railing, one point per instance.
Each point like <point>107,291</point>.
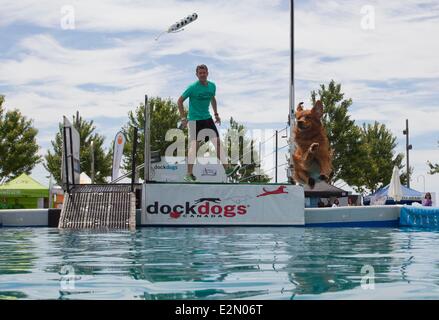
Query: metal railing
<point>273,154</point>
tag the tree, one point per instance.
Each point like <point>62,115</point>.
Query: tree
<point>103,159</point>
<point>235,139</point>
<point>434,168</point>
<point>378,144</point>
<point>164,116</point>
<point>343,134</point>
<point>18,146</point>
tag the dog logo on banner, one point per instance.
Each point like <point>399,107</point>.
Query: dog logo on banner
<point>280,190</point>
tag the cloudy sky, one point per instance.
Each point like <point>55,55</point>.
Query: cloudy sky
<point>103,61</point>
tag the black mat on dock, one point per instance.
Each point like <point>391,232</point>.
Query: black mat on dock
<point>99,207</point>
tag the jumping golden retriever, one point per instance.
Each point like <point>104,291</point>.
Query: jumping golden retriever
<point>312,146</point>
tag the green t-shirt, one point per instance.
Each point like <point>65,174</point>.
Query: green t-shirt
<point>200,97</point>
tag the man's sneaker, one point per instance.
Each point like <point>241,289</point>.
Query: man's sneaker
<point>190,178</point>
<point>232,170</point>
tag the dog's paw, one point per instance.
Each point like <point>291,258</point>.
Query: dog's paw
<point>311,183</point>
<point>324,178</point>
<point>314,147</point>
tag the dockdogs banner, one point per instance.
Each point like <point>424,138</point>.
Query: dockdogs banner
<point>119,143</point>
<point>222,204</point>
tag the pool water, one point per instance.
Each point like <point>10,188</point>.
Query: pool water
<point>220,263</point>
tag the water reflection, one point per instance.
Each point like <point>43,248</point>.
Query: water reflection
<point>17,251</point>
<point>211,263</point>
<point>324,263</point>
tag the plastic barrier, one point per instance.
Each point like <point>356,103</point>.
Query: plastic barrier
<point>424,217</point>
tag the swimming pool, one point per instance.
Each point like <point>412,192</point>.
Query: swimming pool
<point>219,263</point>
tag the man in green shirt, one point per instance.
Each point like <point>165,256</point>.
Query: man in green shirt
<point>201,94</point>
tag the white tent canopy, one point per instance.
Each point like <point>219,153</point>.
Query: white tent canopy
<point>395,190</point>
<point>84,178</point>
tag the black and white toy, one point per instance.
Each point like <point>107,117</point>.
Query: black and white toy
<point>178,26</point>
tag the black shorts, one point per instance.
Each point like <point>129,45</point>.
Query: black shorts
<point>203,129</point>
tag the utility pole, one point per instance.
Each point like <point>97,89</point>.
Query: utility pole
<point>408,147</point>
<point>291,116</point>
<point>147,145</point>
<point>92,154</point>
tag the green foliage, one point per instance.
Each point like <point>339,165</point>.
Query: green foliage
<point>18,146</point>
<point>378,145</point>
<point>2,99</point>
<point>103,159</point>
<point>434,168</point>
<point>235,139</point>
<point>164,116</point>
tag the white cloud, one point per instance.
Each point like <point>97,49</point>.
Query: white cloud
<point>49,80</point>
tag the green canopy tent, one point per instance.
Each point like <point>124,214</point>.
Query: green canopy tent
<point>23,193</point>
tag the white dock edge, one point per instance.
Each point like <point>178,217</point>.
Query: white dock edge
<point>24,218</point>
<point>367,216</point>
<point>354,216</point>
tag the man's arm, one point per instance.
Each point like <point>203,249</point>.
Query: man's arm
<point>215,110</point>
<point>214,105</point>
<point>182,113</point>
<point>180,106</point>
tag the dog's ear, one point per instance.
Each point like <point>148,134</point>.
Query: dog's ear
<point>299,107</point>
<point>318,109</point>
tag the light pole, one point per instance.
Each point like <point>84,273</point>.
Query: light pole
<point>147,145</point>
<point>291,115</point>
<point>92,153</point>
<point>423,178</point>
<point>408,147</point>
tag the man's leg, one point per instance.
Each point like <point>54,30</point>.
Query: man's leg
<point>192,156</point>
<point>192,152</point>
